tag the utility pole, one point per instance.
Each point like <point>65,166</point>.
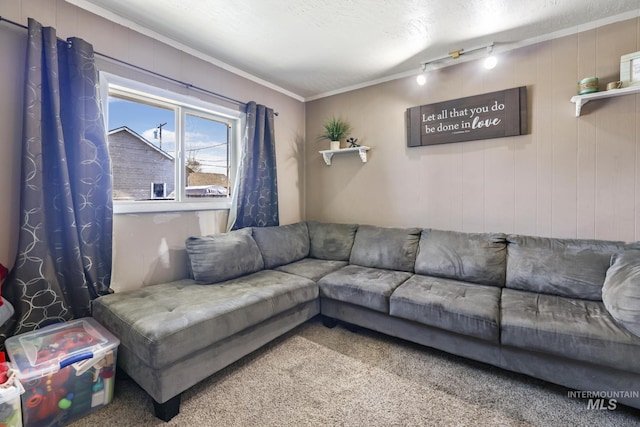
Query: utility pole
<point>158,134</point>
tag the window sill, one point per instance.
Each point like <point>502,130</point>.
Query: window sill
<point>167,206</point>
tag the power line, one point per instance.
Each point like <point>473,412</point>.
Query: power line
<point>206,148</point>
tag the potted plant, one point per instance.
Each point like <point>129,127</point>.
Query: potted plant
<point>334,130</point>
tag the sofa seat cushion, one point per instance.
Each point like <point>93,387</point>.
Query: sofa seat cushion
<point>387,248</point>
<point>469,257</point>
<point>571,268</point>
<point>311,268</point>
<point>166,322</point>
<point>566,327</point>
<point>331,241</point>
<point>455,306</point>
<point>364,286</point>
<point>282,244</point>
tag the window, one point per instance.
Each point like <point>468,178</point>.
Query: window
<point>168,151</point>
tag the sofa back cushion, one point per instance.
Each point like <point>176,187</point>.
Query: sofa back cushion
<point>570,268</point>
<point>221,257</point>
<point>386,248</point>
<point>331,241</point>
<point>282,244</point>
<point>471,257</point>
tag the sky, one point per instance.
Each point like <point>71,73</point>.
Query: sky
<point>205,139</point>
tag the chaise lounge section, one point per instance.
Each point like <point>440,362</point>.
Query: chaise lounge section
<point>176,334</point>
<point>527,304</point>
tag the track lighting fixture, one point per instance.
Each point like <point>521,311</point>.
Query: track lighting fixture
<point>489,63</point>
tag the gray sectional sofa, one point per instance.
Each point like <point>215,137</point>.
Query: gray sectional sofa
<point>527,304</point>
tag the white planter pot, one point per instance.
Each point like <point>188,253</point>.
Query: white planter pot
<point>335,145</point>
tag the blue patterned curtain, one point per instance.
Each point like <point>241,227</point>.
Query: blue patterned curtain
<point>64,248</point>
<point>257,186</point>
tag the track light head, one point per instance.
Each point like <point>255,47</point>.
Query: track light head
<point>490,61</point>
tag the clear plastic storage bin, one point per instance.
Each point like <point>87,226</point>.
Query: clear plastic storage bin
<point>10,408</point>
<point>67,370</point>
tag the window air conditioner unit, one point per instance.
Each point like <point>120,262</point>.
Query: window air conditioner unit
<point>158,190</point>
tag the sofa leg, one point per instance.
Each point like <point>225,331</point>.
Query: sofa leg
<point>167,410</point>
<point>329,322</point>
<point>351,327</point>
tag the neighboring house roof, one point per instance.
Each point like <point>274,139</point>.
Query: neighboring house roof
<point>142,139</point>
<point>205,178</point>
<point>206,191</point>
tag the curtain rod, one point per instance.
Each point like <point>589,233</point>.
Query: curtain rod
<point>171,79</point>
<point>154,73</point>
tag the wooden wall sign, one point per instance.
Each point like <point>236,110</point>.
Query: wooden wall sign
<point>490,115</point>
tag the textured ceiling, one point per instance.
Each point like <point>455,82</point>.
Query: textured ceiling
<point>316,47</point>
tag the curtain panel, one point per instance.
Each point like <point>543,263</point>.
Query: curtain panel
<point>256,190</point>
<point>65,239</point>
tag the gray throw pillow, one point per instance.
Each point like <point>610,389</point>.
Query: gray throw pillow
<point>282,244</point>
<point>621,290</point>
<point>221,257</point>
<point>331,241</point>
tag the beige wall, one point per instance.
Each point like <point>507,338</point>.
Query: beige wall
<point>568,177</point>
<point>148,248</point>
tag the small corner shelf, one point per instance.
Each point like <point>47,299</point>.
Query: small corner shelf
<point>361,150</point>
<point>580,100</point>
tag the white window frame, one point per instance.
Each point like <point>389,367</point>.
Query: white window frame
<point>134,89</point>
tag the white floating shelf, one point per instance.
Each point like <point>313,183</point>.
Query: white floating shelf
<point>361,150</point>
<point>580,100</point>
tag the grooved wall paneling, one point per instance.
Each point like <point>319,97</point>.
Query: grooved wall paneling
<point>568,177</point>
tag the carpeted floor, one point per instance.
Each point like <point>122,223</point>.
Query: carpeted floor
<point>316,376</point>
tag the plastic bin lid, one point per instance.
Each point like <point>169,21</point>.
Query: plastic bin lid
<point>49,349</point>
